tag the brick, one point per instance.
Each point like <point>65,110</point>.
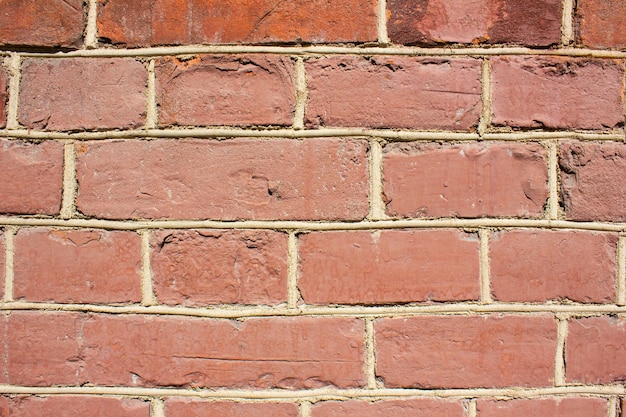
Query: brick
<point>527,22</point>
<point>4,406</point>
<point>543,265</point>
<point>557,93</point>
<point>290,353</point>
<point>42,348</point>
<point>36,23</point>
<point>4,85</point>
<point>465,351</point>
<point>77,266</point>
<point>82,93</point>
<point>200,267</point>
<point>383,92</point>
<point>2,263</point>
<point>4,377</point>
<point>599,23</point>
<point>31,177</point>
<point>78,406</point>
<point>219,90</point>
<point>465,180</point>
<point>162,22</point>
<point>555,407</point>
<point>257,179</point>
<point>355,267</point>
<point>593,180</point>
<point>595,350</point>
<point>190,408</point>
<point>422,407</point>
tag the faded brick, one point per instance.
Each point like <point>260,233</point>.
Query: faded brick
<point>422,407</point>
<point>553,407</point>
<point>191,408</point>
<point>600,23</point>
<point>394,92</point>
<point>77,406</point>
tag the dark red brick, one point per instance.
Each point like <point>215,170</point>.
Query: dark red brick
<point>600,23</point>
<point>190,408</point>
<point>553,407</point>
<point>383,92</point>
<point>77,406</point>
<point>422,407</point>
<point>226,90</point>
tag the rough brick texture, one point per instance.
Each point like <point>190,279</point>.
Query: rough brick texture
<point>278,179</point>
<point>77,266</point>
<point>4,84</point>
<point>556,407</point>
<point>418,261</point>
<point>558,93</point>
<point>31,177</point>
<point>81,93</point>
<point>595,350</point>
<point>537,266</point>
<point>219,267</point>
<point>593,185</point>
<point>382,92</point>
<point>428,22</point>
<point>472,180</point>
<point>147,22</point>
<point>456,351</point>
<point>424,407</point>
<point>76,406</point>
<point>187,408</point>
<point>599,23</point>
<point>217,90</point>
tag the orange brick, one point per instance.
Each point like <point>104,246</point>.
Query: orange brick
<point>599,23</point>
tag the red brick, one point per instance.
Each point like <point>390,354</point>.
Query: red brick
<point>554,407</point>
<point>31,177</point>
<point>77,266</point>
<point>202,267</point>
<point>290,353</point>
<point>527,22</point>
<point>542,265</point>
<point>595,350</point>
<point>466,180</point>
<point>37,23</point>
<point>220,90</point>
<point>355,267</point>
<point>2,263</point>
<point>558,93</point>
<point>259,179</point>
<point>162,22</point>
<point>599,23</point>
<point>190,408</point>
<point>42,348</point>
<point>383,92</point>
<point>593,180</point>
<point>4,85</point>
<point>78,406</point>
<point>465,352</point>
<point>82,93</point>
<point>422,407</point>
<point>4,406</point>
<point>4,371</point>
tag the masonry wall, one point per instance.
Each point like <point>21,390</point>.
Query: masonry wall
<point>312,208</point>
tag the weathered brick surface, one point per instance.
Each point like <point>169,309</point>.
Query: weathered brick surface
<point>595,350</point>
<point>423,407</point>
<point>147,22</point>
<point>593,181</point>
<point>220,90</point>
<point>82,93</point>
<point>257,179</point>
<point>31,177</point>
<point>418,261</point>
<point>191,408</point>
<point>563,93</point>
<point>219,267</point>
<point>458,351</point>
<point>76,406</point>
<point>599,23</point>
<point>37,23</point>
<point>384,92</point>
<point>4,85</point>
<point>494,21</point>
<point>473,180</point>
<point>77,266</point>
<point>538,266</point>
<point>555,407</point>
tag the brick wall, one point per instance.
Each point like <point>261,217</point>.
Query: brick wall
<point>309,208</point>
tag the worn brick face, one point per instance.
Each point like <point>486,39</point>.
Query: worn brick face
<point>555,407</point>
<point>162,22</point>
<point>219,267</point>
<point>423,407</point>
<point>599,23</point>
<point>418,261</point>
<point>190,408</point>
<point>383,92</point>
<point>77,406</point>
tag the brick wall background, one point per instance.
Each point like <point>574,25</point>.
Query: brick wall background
<point>312,208</point>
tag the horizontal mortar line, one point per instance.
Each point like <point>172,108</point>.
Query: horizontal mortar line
<point>312,225</point>
<point>321,394</point>
<point>309,311</point>
<point>326,50</point>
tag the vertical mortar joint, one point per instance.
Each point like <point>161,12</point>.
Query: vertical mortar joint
<point>91,30</point>
<point>147,292</point>
<point>486,111</point>
<point>383,37</point>
<point>302,94</point>
<point>152,115</point>
<point>484,267</point>
<point>68,203</point>
<point>9,235</point>
<point>377,206</point>
<point>293,293</point>
<point>157,408</point>
<point>559,365</point>
<point>370,354</point>
<point>553,181</point>
<point>567,23</point>
<point>14,63</point>
<point>621,271</point>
